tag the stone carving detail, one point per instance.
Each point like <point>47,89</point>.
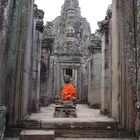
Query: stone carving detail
<point>68,47</point>
<point>68,39</point>
<point>3,4</point>
<point>95,39</point>
<point>70,31</point>
<point>39,15</point>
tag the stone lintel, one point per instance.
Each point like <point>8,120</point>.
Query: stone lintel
<point>39,25</point>
<point>95,46</point>
<point>47,43</point>
<point>66,54</point>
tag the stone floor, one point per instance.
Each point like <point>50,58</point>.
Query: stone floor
<point>83,113</point>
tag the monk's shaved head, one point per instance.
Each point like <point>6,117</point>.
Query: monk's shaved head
<point>66,78</point>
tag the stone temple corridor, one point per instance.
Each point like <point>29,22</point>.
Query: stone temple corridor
<point>104,68</point>
<point>84,112</point>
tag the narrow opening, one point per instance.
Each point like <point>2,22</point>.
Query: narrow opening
<point>69,72</point>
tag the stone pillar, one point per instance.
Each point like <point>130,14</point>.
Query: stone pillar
<point>137,16</point>
<point>115,61</point>
<point>46,66</point>
<point>3,19</point>
<point>18,58</point>
<point>123,63</point>
<point>36,60</point>
<point>106,96</point>
<point>94,94</point>
<point>137,28</point>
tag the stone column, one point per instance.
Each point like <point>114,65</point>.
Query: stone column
<point>115,61</point>
<point>137,10</point>
<point>137,31</point>
<point>36,60</point>
<point>47,62</point>
<point>106,96</point>
<point>94,94</point>
<point>123,63</point>
<point>18,58</point>
<point>3,21</point>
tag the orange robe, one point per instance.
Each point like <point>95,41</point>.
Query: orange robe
<point>67,92</point>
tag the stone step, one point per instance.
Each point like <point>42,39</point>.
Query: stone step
<point>37,135</point>
<point>60,138</point>
<point>95,139</point>
<point>79,128</point>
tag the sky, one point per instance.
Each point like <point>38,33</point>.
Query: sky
<point>92,10</point>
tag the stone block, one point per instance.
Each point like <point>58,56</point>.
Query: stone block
<point>37,135</point>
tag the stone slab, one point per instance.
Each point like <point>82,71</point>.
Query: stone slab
<point>37,135</point>
<point>60,138</point>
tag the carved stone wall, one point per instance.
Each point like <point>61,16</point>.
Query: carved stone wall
<point>70,32</point>
<point>123,63</point>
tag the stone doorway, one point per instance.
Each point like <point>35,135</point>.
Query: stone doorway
<point>72,72</point>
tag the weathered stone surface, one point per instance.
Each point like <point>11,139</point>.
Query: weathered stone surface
<point>34,90</point>
<point>105,29</point>
<point>2,121</point>
<point>123,63</point>
<point>37,135</point>
<point>71,33</point>
<point>3,30</point>
<point>94,81</point>
<point>17,42</point>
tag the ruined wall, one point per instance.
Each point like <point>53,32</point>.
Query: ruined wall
<point>123,64</point>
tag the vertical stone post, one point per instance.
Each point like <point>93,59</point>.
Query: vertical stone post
<point>18,58</point>
<point>36,60</point>
<point>115,62</point>
<point>46,66</point>
<point>137,31</point>
<point>94,94</point>
<point>3,18</point>
<point>123,63</point>
<point>106,96</point>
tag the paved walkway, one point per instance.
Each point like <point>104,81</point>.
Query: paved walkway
<point>83,113</point>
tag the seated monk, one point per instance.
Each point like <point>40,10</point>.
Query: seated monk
<point>68,92</point>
